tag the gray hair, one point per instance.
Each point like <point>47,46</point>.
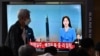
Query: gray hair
<point>26,50</point>
<point>23,13</point>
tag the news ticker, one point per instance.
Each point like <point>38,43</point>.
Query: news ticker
<point>59,45</point>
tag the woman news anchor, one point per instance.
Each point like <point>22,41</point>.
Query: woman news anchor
<point>67,33</point>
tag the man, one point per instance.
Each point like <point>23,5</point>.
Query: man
<point>19,33</point>
<point>27,50</point>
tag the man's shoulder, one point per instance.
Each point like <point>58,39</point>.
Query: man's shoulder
<point>14,27</point>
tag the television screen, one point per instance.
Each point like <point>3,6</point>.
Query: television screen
<point>46,19</point>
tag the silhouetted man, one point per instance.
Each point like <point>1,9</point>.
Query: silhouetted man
<point>20,33</point>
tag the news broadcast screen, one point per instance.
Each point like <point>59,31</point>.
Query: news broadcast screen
<point>46,22</point>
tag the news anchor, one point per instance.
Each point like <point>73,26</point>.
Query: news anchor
<point>67,33</point>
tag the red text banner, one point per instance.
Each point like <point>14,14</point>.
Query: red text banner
<point>59,45</point>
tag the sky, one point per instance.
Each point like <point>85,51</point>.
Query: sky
<point>39,13</point>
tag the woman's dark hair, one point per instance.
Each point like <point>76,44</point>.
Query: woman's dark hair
<point>68,20</point>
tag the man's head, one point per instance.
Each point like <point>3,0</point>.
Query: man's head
<point>51,49</point>
<point>78,52</point>
<point>88,45</point>
<point>24,16</point>
<point>27,50</point>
